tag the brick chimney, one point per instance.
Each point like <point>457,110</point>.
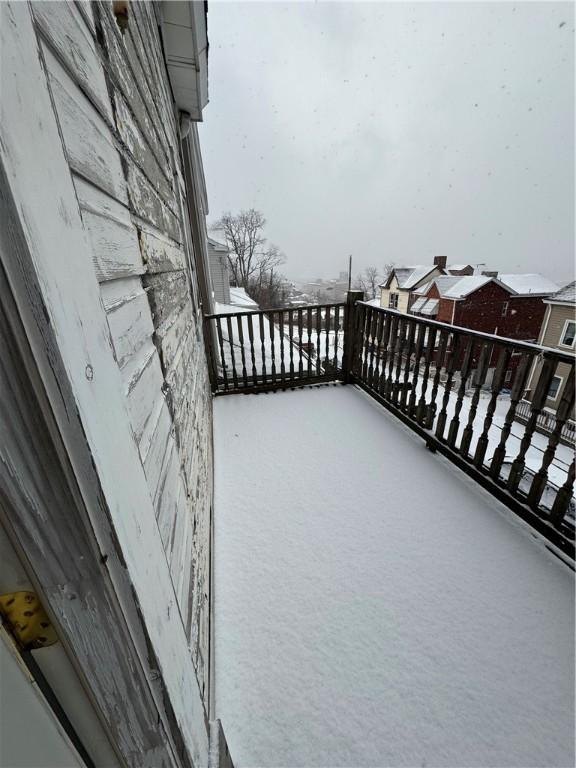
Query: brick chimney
<point>440,261</point>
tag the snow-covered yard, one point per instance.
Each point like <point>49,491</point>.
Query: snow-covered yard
<point>373,606</point>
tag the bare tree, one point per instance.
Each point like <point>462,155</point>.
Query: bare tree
<point>253,262</point>
<point>369,281</point>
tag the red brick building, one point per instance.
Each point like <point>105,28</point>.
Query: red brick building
<point>508,305</point>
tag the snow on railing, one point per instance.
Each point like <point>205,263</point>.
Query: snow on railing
<point>276,348</point>
<point>461,389</point>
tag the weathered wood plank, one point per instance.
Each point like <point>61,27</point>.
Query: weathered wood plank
<point>159,253</point>
<point>88,141</point>
<point>148,204</point>
<point>123,77</point>
<point>172,333</point>
<point>114,239</point>
<point>129,317</point>
<point>154,443</point>
<point>143,381</point>
<point>69,37</point>
<point>137,144</point>
<point>167,292</point>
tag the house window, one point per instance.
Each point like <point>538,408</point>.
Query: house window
<point>393,301</point>
<point>554,388</point>
<point>504,309</point>
<point>568,334</point>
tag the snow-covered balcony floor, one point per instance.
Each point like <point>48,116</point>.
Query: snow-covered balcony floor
<point>373,606</point>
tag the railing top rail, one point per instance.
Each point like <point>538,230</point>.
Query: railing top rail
<point>527,346</point>
<point>242,313</point>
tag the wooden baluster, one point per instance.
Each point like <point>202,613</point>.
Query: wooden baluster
<point>538,402</point>
<point>412,328</point>
<point>431,410</point>
<point>430,340</point>
<point>495,387</point>
<point>388,360</point>
<point>372,336</point>
<point>272,348</point>
<point>336,329</point>
<point>240,321</point>
<point>411,409</point>
<point>477,382</point>
<point>291,340</point>
<point>310,343</point>
<point>399,351</point>
<point>222,355</point>
<point>318,341</point>
<point>300,369</point>
<point>384,352</point>
<point>263,347</point>
<point>451,365</point>
<point>394,332</point>
<point>380,320</point>
<point>515,395</point>
<point>464,374</point>
<point>365,343</point>
<point>252,353</point>
<point>281,335</point>
<point>327,345</point>
<point>562,415</point>
<point>562,500</point>
<point>232,358</point>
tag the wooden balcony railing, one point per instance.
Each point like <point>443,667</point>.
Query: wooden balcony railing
<point>459,389</point>
<point>277,348</point>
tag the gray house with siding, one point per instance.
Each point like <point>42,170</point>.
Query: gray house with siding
<point>219,270</point>
<point>106,478</point>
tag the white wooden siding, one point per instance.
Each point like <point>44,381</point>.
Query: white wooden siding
<point>118,131</point>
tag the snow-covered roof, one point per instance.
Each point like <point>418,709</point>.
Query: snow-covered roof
<point>373,302</point>
<point>566,295</point>
<point>418,274</point>
<point>458,267</point>
<point>418,304</point>
<point>430,308</point>
<point>217,244</point>
<point>239,298</point>
<point>443,283</point>
<point>409,277</point>
<point>464,286</point>
<point>530,284</point>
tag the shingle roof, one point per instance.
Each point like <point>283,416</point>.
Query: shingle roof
<point>566,295</point>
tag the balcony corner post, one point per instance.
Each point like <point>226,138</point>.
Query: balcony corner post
<point>349,334</point>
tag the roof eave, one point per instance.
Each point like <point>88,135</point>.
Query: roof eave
<point>185,38</point>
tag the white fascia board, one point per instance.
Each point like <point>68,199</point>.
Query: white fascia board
<point>186,48</point>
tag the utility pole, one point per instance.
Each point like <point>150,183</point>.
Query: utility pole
<point>350,272</point>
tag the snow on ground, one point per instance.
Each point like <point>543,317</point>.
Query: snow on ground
<point>373,606</point>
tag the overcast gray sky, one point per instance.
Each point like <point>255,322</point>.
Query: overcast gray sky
<point>396,131</point>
